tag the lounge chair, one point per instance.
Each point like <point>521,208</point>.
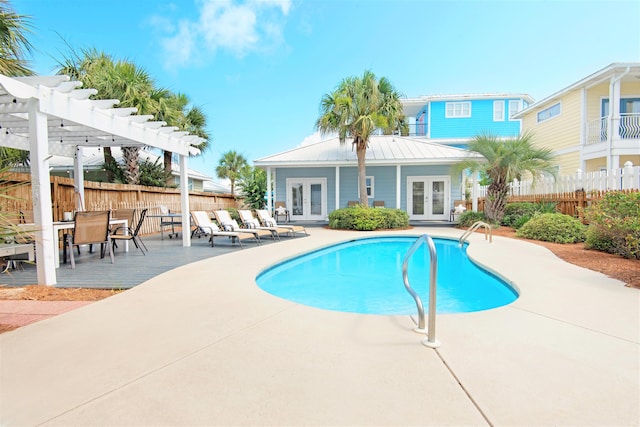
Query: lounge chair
<point>205,226</point>
<point>229,224</point>
<point>249,221</point>
<point>268,221</point>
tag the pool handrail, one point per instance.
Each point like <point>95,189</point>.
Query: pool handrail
<point>474,227</point>
<point>430,341</point>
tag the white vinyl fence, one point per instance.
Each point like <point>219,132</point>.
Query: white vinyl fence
<point>625,178</point>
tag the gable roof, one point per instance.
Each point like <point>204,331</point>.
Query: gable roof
<point>383,150</point>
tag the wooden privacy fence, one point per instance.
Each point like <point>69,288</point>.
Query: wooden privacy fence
<point>16,196</point>
<point>570,203</point>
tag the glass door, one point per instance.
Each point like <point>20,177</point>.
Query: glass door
<point>307,198</point>
<point>428,197</point>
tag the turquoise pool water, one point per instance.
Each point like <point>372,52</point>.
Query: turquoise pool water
<point>365,276</point>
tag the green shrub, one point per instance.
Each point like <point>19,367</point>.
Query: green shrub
<point>234,214</point>
<point>513,213</point>
<point>521,221</point>
<point>364,218</point>
<point>614,224</point>
<point>518,213</point>
<point>468,218</point>
<point>553,227</point>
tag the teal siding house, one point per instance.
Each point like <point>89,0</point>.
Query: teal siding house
<point>455,119</point>
<point>413,172</point>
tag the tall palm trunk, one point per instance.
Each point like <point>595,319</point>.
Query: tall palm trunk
<point>110,163</point>
<point>496,201</point>
<point>167,159</point>
<point>361,152</point>
<point>132,167</point>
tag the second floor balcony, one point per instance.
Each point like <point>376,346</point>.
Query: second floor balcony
<point>625,127</point>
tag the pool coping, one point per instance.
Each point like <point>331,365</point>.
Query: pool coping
<point>201,344</point>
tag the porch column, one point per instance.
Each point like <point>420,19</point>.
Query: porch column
<point>337,187</point>
<point>184,202</point>
<point>270,200</point>
<point>398,185</point>
<point>584,133</point>
<point>41,192</point>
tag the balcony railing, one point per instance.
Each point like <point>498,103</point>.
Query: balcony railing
<point>628,126</point>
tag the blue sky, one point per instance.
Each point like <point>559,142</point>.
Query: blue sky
<point>258,68</point>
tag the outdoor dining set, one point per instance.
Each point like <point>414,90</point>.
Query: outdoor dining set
<point>109,228</point>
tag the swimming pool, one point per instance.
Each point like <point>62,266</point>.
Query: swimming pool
<point>365,276</point>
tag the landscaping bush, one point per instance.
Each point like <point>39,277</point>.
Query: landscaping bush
<point>514,212</point>
<point>518,213</point>
<point>553,227</point>
<point>364,218</point>
<point>614,224</point>
<point>467,218</point>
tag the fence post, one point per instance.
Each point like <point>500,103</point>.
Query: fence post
<point>627,176</point>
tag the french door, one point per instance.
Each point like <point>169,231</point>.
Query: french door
<point>428,197</point>
<point>307,198</point>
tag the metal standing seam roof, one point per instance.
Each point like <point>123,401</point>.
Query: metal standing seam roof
<point>383,150</point>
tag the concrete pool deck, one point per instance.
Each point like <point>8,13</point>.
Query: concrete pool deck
<point>202,345</point>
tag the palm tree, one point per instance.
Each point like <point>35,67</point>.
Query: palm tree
<point>174,110</point>
<point>13,42</point>
<point>231,166</point>
<point>90,67</point>
<point>121,80</point>
<point>504,161</point>
<point>356,109</point>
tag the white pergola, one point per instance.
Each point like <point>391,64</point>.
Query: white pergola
<point>49,115</point>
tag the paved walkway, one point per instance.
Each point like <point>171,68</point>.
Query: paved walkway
<point>202,345</point>
<point>21,313</point>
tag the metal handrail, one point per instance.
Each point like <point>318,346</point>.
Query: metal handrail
<point>430,341</point>
<point>474,227</point>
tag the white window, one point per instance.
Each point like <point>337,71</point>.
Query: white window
<point>498,111</point>
<point>369,181</point>
<point>458,109</point>
<point>549,113</point>
<point>514,108</point>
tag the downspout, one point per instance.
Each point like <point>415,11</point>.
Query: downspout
<point>614,107</point>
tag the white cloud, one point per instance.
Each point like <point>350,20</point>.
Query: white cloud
<point>228,25</point>
<point>316,137</point>
<point>180,47</point>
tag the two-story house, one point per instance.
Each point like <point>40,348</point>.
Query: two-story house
<point>413,172</point>
<point>592,125</point>
<point>455,119</point>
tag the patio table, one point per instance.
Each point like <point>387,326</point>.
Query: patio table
<point>168,220</point>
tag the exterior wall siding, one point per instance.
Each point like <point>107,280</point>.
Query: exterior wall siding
<point>436,170</point>
<point>597,93</point>
<point>481,121</point>
<point>282,174</point>
<point>560,132</point>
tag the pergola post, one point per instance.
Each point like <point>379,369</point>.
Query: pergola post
<point>41,191</point>
<point>184,203</point>
<point>78,178</point>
